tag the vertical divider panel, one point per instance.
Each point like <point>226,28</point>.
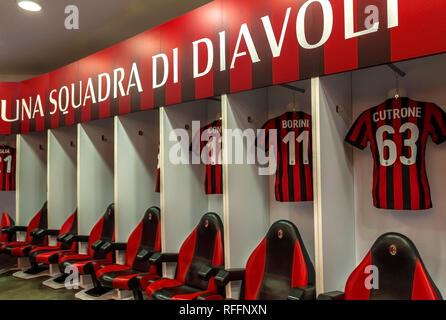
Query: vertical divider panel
<point>62,175</point>
<point>31,176</point>
<point>95,171</point>
<point>334,205</point>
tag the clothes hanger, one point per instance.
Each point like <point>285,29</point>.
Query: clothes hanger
<point>397,87</point>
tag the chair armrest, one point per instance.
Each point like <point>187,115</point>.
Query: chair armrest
<point>52,232</point>
<point>38,234</point>
<point>332,295</point>
<point>67,238</point>
<point>207,272</point>
<point>97,244</point>
<point>14,229</point>
<point>158,258</point>
<point>225,276</point>
<point>110,246</point>
<point>302,293</point>
<point>144,255</point>
<point>80,238</point>
<point>62,237</point>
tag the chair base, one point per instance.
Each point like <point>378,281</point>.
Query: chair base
<point>96,294</point>
<point>32,273</point>
<point>58,282</point>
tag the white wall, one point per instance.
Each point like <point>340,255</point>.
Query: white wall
<point>135,169</point>
<point>95,172</point>
<point>62,175</point>
<point>31,177</point>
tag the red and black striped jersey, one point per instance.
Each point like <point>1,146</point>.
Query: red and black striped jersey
<point>397,131</point>
<point>157,182</point>
<point>7,168</point>
<point>294,174</point>
<point>209,142</point>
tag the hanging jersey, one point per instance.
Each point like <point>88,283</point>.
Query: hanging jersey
<point>397,131</point>
<point>7,168</point>
<point>210,146</point>
<point>294,174</point>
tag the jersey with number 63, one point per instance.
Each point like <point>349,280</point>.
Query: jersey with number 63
<point>294,175</point>
<point>397,131</point>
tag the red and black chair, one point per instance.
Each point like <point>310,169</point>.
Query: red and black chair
<point>50,254</point>
<point>142,243</point>
<point>401,274</point>
<point>200,257</point>
<point>102,233</point>
<point>8,235</point>
<point>35,235</point>
<point>278,269</point>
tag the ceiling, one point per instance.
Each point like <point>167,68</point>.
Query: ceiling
<point>35,43</point>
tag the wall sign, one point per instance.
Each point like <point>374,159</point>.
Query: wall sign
<point>225,46</point>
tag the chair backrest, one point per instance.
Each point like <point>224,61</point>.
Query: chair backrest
<point>391,270</point>
<point>69,226</point>
<point>203,247</point>
<point>39,221</point>
<point>6,221</point>
<point>146,236</point>
<point>280,262</point>
<point>104,230</point>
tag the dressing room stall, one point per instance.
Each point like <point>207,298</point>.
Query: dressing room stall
<point>351,213</point>
<point>252,200</point>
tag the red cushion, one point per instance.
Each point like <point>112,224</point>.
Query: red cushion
<point>161,284</point>
<point>14,244</point>
<point>110,268</point>
<point>22,251</point>
<point>145,279</point>
<point>47,252</point>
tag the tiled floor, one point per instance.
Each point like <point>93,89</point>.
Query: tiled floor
<point>12,288</point>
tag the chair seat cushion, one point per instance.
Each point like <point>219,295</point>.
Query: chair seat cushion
<point>119,276</point>
<point>9,246</point>
<point>22,251</point>
<point>83,262</point>
<point>145,279</point>
<point>168,289</point>
<point>48,255</point>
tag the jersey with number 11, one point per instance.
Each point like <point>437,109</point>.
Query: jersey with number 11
<point>7,168</point>
<point>397,131</point>
<point>294,176</point>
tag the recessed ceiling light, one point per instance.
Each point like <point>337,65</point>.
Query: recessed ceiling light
<point>29,5</point>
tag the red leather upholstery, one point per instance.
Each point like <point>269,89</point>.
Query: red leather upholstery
<point>50,254</point>
<point>401,273</point>
<point>146,236</point>
<point>203,247</point>
<point>104,230</point>
<point>6,221</point>
<point>22,248</point>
